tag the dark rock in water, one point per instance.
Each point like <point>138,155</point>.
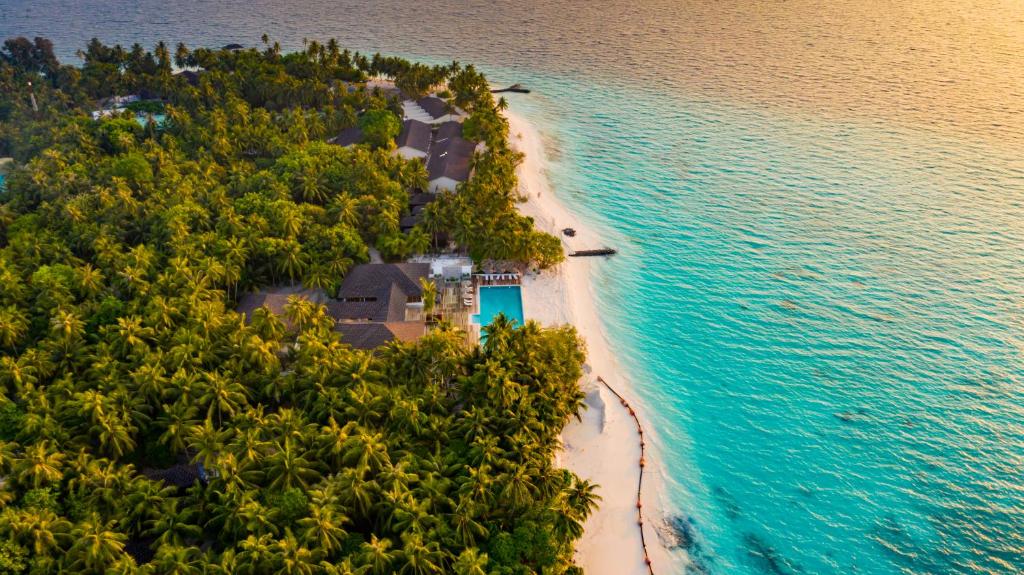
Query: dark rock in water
<point>233,47</point>
<point>680,532</point>
<point>766,558</point>
<point>682,528</point>
<point>732,510</point>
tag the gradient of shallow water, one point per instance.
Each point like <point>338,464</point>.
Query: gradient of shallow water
<point>818,206</point>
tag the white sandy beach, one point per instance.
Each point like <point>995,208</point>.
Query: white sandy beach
<point>605,446</point>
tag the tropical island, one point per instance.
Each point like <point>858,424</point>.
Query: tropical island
<point>236,328</point>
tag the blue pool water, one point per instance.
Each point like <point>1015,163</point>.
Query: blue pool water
<point>499,299</point>
<point>818,208</point>
<point>143,119</point>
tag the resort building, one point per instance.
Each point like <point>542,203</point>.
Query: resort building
<point>450,158</point>
<point>414,140</point>
<point>378,303</point>
<point>381,293</point>
<point>348,137</point>
<point>418,202</point>
<point>114,105</point>
<point>275,299</point>
<point>192,77</point>
<point>431,110</point>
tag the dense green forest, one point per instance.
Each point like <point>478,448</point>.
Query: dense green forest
<point>123,249</point>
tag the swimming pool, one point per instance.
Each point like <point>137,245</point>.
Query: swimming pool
<point>499,299</point>
<point>143,119</point>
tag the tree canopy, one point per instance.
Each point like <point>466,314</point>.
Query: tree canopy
<point>123,251</point>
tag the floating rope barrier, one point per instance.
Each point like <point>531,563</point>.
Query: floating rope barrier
<point>640,481</point>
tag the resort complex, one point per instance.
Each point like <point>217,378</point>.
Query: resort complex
<point>263,314</point>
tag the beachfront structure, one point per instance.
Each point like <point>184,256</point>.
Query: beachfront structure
<point>348,137</point>
<point>414,140</point>
<point>450,158</point>
<point>431,110</point>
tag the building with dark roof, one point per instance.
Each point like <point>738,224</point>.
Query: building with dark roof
<point>275,299</point>
<point>448,130</point>
<point>348,137</point>
<point>379,292</point>
<point>431,109</point>
<point>418,202</point>
<point>189,76</point>
<point>436,107</point>
<point>414,140</point>
<point>371,335</point>
<point>449,163</point>
<point>378,303</point>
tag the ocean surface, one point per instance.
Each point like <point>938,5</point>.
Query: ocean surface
<point>819,208</point>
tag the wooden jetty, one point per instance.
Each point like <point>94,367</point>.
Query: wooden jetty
<point>597,252</point>
<point>517,88</point>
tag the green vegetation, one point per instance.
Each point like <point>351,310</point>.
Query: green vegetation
<point>123,250</point>
<point>380,127</point>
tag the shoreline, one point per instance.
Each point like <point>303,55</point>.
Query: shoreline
<point>605,446</point>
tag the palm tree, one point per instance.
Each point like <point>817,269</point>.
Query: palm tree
<point>40,464</point>
<point>181,56</point>
<point>419,557</point>
<point>323,528</point>
<point>12,326</point>
<point>582,499</point>
<point>173,527</point>
<point>96,546</point>
<point>178,560</point>
<point>256,554</point>
<point>429,295</point>
<point>471,562</point>
<point>289,468</point>
<point>366,450</point>
<point>296,559</point>
<point>41,529</point>
<point>207,441</point>
<point>377,555</point>
<point>222,395</point>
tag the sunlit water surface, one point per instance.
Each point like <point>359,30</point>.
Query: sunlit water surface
<point>820,213</point>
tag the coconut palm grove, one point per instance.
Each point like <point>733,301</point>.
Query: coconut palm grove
<point>146,427</point>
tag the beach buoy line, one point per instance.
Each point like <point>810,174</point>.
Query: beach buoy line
<point>640,481</point>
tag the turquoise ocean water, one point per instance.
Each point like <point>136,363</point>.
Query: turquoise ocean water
<point>820,214</point>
